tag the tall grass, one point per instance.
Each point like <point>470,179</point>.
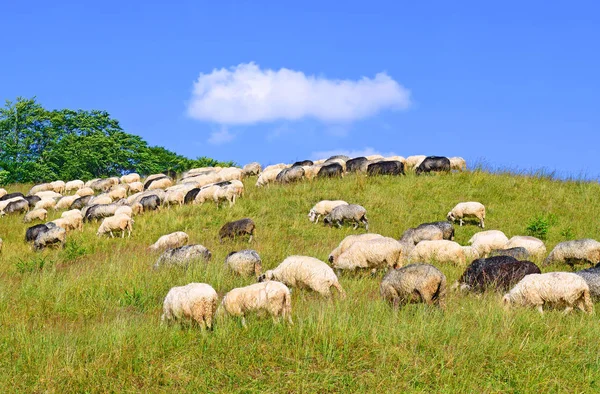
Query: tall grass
<point>86,318</point>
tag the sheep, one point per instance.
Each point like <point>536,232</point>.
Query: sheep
<point>251,169</point>
<point>72,222</point>
<point>73,185</point>
<point>412,162</point>
<point>414,283</point>
<point>58,186</point>
<point>11,196</point>
<point>99,211</point>
<point>226,193</point>
<point>441,251</point>
<point>357,164</point>
<point>486,241</point>
<point>102,199</point>
<point>433,164</point>
<point>174,197</point>
<point>311,172</point>
<point>267,176</point>
<point>203,180</point>
<point>348,242</point>
<point>130,178</point>
<point>237,228</point>
<point>124,210</point>
<point>500,272</point>
<point>183,256</point>
<point>18,206</point>
<point>136,187</point>
<point>118,223</point>
<point>118,193</point>
<point>446,227</point>
<point>137,197</point>
<point>103,185</point>
<point>351,212</point>
<point>48,194</point>
<point>65,202</point>
<point>3,192</point>
<point>385,168</point>
<point>303,163</point>
<point>554,288</point>
<point>246,262</point>
<point>170,241</point>
<point>467,209</point>
<point>32,200</point>
<point>413,236</point>
<point>190,196</point>
<point>150,203</point>
<point>323,208</point>
<point>32,232</point>
<point>518,253</point>
<point>4,204</point>
<point>592,278</point>
<point>36,214</point>
<point>458,164</point>
<point>137,208</point>
<point>534,246</point>
<point>54,235</point>
<point>331,170</point>
<point>85,191</point>
<point>270,296</point>
<point>290,175</point>
<point>573,252</point>
<point>231,173</point>
<point>195,301</point>
<point>376,253</point>
<point>339,161</point>
<point>89,183</point>
<point>40,188</point>
<point>161,183</point>
<point>237,186</point>
<point>305,272</point>
<point>205,193</point>
<point>279,166</point>
<point>80,202</point>
<point>470,253</point>
<point>72,212</point>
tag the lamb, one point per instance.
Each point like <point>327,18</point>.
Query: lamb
<point>592,278</point>
<point>18,206</point>
<point>486,241</point>
<point>245,262</point>
<point>73,185</point>
<point>348,242</point>
<point>174,197</point>
<point>458,164</point>
<point>433,164</point>
<point>130,178</point>
<point>116,223</point>
<point>500,272</point>
<point>195,301</point>
<point>385,168</point>
<point>518,253</point>
<point>440,251</point>
<point>237,228</point>
<point>534,246</point>
<point>271,296</point>
<point>251,169</point>
<point>69,223</point>
<point>54,235</point>
<point>85,191</point>
<point>414,283</point>
<point>81,202</point>
<point>468,209</point>
<point>170,241</point>
<point>377,253</point>
<point>136,187</point>
<point>351,212</point>
<point>183,256</point>
<point>553,288</point>
<point>290,175</point>
<point>36,214</point>
<point>66,202</point>
<point>267,176</point>
<point>573,252</point>
<point>305,272</point>
<point>323,208</point>
<point>331,170</point>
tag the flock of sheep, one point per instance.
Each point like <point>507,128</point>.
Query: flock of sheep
<point>491,260</point>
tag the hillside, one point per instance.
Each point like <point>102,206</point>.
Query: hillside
<point>86,318</point>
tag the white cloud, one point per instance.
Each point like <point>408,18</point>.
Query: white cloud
<point>220,136</point>
<point>247,94</point>
<point>350,153</point>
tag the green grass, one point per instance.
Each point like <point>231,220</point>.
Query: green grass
<point>87,318</point>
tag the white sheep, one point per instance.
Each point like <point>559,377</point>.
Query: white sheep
<point>118,193</point>
<point>205,193</point>
<point>69,223</point>
<point>162,183</point>
<point>40,188</point>
<point>100,200</point>
<point>58,186</point>
<point>246,262</point>
<point>305,272</point>
<point>440,251</point>
<point>45,203</point>
<point>170,241</point>
<point>66,202</point>
<point>231,173</point>
<point>271,296</point>
<point>48,194</point>
<point>311,172</point>
<point>250,169</point>
<point>468,209</point>
<point>174,197</point>
<point>3,192</point>
<point>130,178</point>
<point>267,176</point>
<point>72,212</point>
<point>116,223</point>
<point>4,203</point>
<point>73,185</point>
<point>36,214</point>
<point>224,194</point>
<point>376,253</point>
<point>279,166</point>
<point>486,241</point>
<point>470,253</point>
<point>348,242</point>
<point>413,162</point>
<point>554,288</point>
<point>323,208</point>
<point>136,187</point>
<point>85,191</point>
<point>195,301</point>
<point>458,163</point>
<point>124,210</point>
<point>534,246</point>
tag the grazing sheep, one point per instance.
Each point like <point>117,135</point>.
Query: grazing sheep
<point>251,169</point>
<point>290,175</point>
<point>32,200</point>
<point>4,203</point>
<point>72,212</point>
<point>246,262</point>
<point>40,188</point>
<point>118,193</point>
<point>440,251</point>
<point>573,252</point>
<point>99,211</point>
<point>170,241</point>
<point>500,272</point>
<point>137,208</point>
<point>85,191</point>
<point>11,196</point>
<point>53,235</point>
<point>414,283</point>
<point>413,236</point>
<point>237,228</point>
<point>433,164</point>
<point>305,272</point>
<point>116,223</point>
<point>130,178</point>
<point>3,192</point>
<point>554,288</point>
<point>103,185</point>
<point>592,278</point>
<point>69,223</point>
<point>183,256</point>
<point>206,193</point>
<point>311,172</point>
<point>32,232</point>
<point>195,301</point>
<point>518,253</point>
<point>267,176</point>
<point>348,242</point>
<point>331,170</point>
<point>58,186</point>
<point>446,227</point>
<point>351,213</point>
<point>226,193</point>
<point>150,203</point>
<point>174,197</point>
<point>534,246</point>
<point>66,202</point>
<point>323,208</point>
<point>102,199</point>
<point>376,253</point>
<point>231,173</point>
<point>271,296</point>
<point>338,157</point>
<point>36,214</point>
<point>303,163</point>
<point>136,187</point>
<point>412,162</point>
<point>89,183</point>
<point>137,197</point>
<point>191,195</point>
<point>470,253</point>
<point>18,206</point>
<point>357,164</point>
<point>486,241</point>
<point>160,183</point>
<point>73,185</point>
<point>385,168</point>
<point>124,210</point>
<point>81,202</point>
<point>458,164</point>
<point>467,209</point>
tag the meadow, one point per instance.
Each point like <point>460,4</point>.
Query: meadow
<point>86,318</point>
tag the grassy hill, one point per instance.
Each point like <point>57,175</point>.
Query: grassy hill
<point>86,318</point>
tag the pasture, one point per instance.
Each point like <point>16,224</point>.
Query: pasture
<point>87,318</point>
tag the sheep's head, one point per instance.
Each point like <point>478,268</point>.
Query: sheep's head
<point>327,220</point>
<point>330,259</point>
<point>311,215</point>
<point>266,276</point>
<point>450,216</point>
<point>506,301</point>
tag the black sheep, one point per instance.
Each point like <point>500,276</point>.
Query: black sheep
<point>434,164</point>
<point>501,272</point>
<point>391,167</point>
<point>240,227</point>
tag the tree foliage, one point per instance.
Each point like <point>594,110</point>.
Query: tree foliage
<point>39,145</point>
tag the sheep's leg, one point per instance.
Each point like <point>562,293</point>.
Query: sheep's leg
<point>568,309</point>
<point>244,322</point>
<point>250,239</point>
<point>339,224</point>
<point>460,222</point>
<point>540,309</point>
<point>482,223</point>
<point>123,233</point>
<point>111,234</point>
<point>355,225</point>
<point>317,221</point>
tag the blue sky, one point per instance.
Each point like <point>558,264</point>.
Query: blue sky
<point>514,84</point>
